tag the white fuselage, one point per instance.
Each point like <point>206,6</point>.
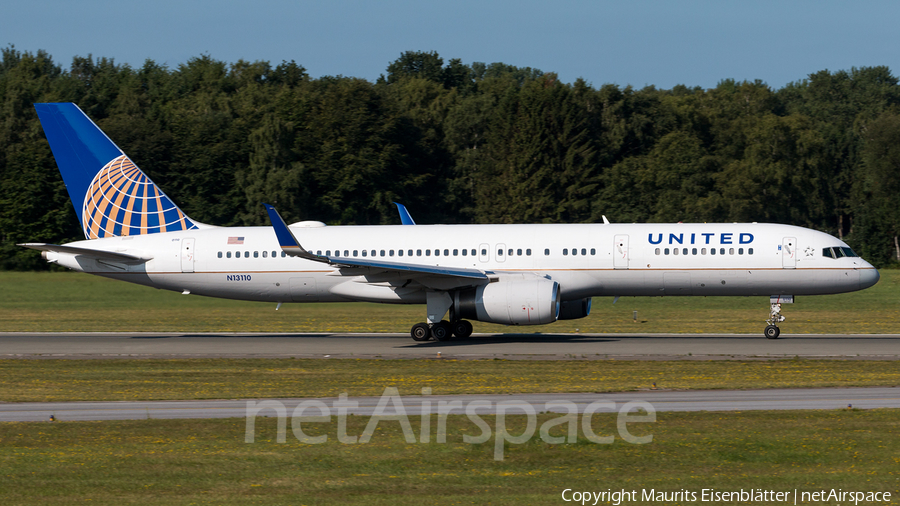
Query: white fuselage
<point>608,260</point>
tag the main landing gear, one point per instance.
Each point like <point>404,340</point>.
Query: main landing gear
<point>441,331</point>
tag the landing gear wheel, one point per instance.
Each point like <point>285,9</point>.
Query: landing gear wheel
<point>420,332</point>
<point>772,332</point>
<point>441,331</point>
<point>462,329</point>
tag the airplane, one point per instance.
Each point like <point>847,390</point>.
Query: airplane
<point>527,274</point>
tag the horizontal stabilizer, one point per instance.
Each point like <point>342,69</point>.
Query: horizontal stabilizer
<point>92,253</point>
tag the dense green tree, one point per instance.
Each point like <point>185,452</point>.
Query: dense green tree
<point>461,143</point>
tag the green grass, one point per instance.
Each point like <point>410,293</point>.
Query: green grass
<point>147,379</point>
<point>75,302</point>
<point>153,462</point>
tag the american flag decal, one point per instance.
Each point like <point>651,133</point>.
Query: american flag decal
<point>235,240</point>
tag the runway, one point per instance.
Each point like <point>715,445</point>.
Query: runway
<point>480,346</point>
<point>695,400</point>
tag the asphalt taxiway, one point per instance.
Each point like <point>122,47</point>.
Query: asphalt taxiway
<point>508,346</point>
<point>693,400</point>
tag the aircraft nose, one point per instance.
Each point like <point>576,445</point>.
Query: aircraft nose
<point>868,277</point>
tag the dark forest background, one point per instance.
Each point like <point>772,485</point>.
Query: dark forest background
<point>457,143</point>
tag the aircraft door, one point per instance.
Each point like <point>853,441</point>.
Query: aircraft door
<point>789,252</point>
<point>620,252</point>
<point>501,252</point>
<point>304,290</point>
<point>187,254</point>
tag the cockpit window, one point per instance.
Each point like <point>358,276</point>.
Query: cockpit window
<point>838,252</point>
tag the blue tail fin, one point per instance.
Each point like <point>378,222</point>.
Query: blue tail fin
<point>111,195</point>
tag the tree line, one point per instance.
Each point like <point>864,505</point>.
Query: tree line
<point>457,143</point>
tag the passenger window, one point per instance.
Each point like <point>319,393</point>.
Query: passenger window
<point>593,251</point>
<point>328,253</point>
<point>510,252</point>
<point>437,252</point>
<point>428,252</point>
<point>265,254</point>
<point>346,253</point>
<point>391,253</point>
<point>731,251</point>
<point>275,254</point>
<point>740,251</point>
<point>228,254</point>
<point>456,252</point>
<point>721,251</point>
<point>584,251</point>
<point>256,254</point>
<point>399,252</point>
<point>446,252</point>
<point>749,251</point>
<point>684,251</point>
<point>528,252</point>
<point>373,253</point>
<point>409,252</point>
<point>463,252</point>
<point>484,252</point>
<point>382,252</point>
<point>667,251</point>
<point>220,254</point>
<point>418,252</point>
<point>365,253</point>
<point>657,251</point>
<point>546,251</point>
<point>693,251</point>
<point>674,251</point>
<point>574,251</point>
<point>473,252</point>
<point>702,251</point>
<point>337,252</point>
<point>356,252</point>
<point>499,252</point>
<point>712,251</point>
<point>565,251</point>
<point>283,254</point>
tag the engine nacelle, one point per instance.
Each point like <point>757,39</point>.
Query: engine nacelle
<point>514,302</point>
<point>574,309</point>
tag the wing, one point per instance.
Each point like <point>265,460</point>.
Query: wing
<point>292,247</point>
<point>91,253</point>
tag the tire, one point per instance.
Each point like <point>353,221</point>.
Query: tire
<point>772,332</point>
<point>420,332</point>
<point>441,331</point>
<point>462,329</point>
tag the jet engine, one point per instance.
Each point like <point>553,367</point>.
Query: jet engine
<point>574,309</point>
<point>512,302</point>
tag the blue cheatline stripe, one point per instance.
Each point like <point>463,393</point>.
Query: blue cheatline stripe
<point>80,148</point>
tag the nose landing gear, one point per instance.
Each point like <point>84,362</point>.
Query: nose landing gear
<point>772,331</point>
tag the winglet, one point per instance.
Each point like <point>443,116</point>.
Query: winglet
<point>405,218</point>
<point>286,239</point>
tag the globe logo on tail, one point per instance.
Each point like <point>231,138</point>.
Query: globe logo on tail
<point>121,200</point>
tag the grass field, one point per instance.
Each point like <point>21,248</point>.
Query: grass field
<point>207,461</point>
<point>75,302</point>
<point>119,380</point>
